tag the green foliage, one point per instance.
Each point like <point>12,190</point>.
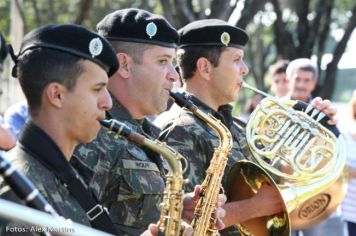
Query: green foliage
<point>64,11</point>
<point>345,5</point>
<point>5,18</point>
<point>261,51</point>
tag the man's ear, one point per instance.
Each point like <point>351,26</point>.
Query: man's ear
<point>54,94</point>
<point>204,68</point>
<point>125,64</point>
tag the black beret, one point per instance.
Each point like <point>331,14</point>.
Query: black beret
<point>75,40</point>
<point>212,32</point>
<point>140,26</point>
<point>3,51</point>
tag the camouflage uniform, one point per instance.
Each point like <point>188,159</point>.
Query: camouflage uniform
<point>45,180</point>
<point>196,140</point>
<point>128,178</point>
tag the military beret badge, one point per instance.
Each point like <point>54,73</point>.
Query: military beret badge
<point>151,29</point>
<point>95,47</point>
<point>225,38</point>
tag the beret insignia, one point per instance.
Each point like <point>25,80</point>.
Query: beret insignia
<point>151,29</point>
<point>95,47</point>
<point>212,33</point>
<point>138,26</point>
<point>225,38</point>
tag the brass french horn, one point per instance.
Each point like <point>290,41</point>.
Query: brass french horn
<point>302,158</point>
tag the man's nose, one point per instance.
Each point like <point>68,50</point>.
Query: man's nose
<point>106,102</point>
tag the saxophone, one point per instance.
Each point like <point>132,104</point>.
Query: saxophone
<point>204,220</point>
<point>172,204</point>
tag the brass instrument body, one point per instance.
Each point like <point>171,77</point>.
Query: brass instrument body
<point>204,219</point>
<point>300,157</point>
<point>244,180</point>
<point>172,204</point>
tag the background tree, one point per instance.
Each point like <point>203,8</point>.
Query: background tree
<point>298,29</point>
<point>278,28</point>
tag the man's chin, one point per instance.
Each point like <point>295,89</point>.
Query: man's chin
<point>300,98</point>
<point>91,137</point>
<point>160,109</point>
<point>87,140</point>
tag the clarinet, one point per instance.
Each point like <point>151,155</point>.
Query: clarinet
<point>24,188</point>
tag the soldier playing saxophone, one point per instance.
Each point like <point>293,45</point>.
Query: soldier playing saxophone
<point>130,178</point>
<point>210,57</point>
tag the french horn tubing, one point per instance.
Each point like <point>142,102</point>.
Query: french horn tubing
<point>294,149</point>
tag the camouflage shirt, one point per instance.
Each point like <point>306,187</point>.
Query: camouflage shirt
<point>128,178</point>
<point>48,184</point>
<point>196,140</point>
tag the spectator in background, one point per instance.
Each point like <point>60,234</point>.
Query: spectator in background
<point>278,86</point>
<point>302,75</point>
<point>348,207</point>
<point>279,82</point>
<point>16,116</point>
<point>7,140</point>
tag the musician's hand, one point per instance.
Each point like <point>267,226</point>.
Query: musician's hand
<point>220,212</point>
<point>187,229</point>
<point>153,230</point>
<point>327,107</point>
<point>190,201</point>
<point>268,200</point>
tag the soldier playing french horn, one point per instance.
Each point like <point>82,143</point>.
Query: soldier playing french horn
<point>210,58</point>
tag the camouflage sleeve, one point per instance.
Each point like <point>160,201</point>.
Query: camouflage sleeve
<point>108,175</point>
<point>135,189</point>
<point>192,143</point>
<point>100,157</point>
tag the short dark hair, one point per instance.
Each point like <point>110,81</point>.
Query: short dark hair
<point>188,57</point>
<point>39,67</point>
<point>278,67</point>
<point>134,50</point>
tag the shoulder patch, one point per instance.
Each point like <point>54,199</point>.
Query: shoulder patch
<point>136,152</point>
